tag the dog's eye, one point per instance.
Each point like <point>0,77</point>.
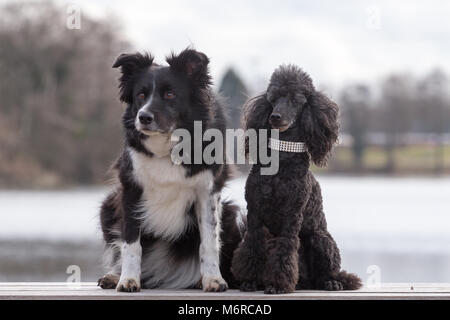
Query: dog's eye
<point>271,99</point>
<point>141,96</point>
<point>169,95</point>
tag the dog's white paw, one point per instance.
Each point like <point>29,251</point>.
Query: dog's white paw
<point>214,284</point>
<point>129,285</point>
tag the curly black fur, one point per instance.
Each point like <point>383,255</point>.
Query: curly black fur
<point>287,245</point>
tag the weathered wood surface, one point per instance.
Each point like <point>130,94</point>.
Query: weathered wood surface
<point>89,290</point>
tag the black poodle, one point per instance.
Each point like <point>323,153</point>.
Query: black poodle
<point>287,245</point>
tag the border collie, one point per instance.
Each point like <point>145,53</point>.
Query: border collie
<point>165,225</point>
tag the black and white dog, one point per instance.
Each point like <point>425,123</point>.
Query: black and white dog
<point>165,225</point>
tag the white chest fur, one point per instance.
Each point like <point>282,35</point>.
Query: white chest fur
<point>167,194</point>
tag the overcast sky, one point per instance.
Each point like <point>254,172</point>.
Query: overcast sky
<point>337,42</point>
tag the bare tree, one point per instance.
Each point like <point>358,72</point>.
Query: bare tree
<point>59,92</point>
<point>433,103</point>
<point>394,111</point>
<point>355,103</point>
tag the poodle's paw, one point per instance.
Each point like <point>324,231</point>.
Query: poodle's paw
<point>214,284</point>
<point>248,286</point>
<point>129,285</point>
<point>108,281</point>
<point>275,290</point>
<point>333,285</point>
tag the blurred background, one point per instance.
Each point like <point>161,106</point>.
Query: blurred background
<point>387,186</point>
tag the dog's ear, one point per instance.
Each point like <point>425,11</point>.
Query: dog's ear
<point>193,64</point>
<point>256,115</point>
<point>319,125</point>
<point>130,65</point>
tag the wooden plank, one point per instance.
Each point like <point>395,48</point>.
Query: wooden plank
<point>89,290</point>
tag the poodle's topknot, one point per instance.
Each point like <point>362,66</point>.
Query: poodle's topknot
<point>291,79</point>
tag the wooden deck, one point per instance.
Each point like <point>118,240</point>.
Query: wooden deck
<point>89,291</point>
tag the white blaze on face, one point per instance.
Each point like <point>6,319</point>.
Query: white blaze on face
<point>145,106</point>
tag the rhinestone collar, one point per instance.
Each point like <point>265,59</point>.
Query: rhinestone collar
<point>287,146</point>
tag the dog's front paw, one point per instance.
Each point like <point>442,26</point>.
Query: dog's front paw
<point>275,290</point>
<point>333,285</point>
<point>248,286</point>
<point>108,281</point>
<point>214,284</point>
<point>128,285</point>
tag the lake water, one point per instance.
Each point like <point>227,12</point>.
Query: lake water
<point>401,225</point>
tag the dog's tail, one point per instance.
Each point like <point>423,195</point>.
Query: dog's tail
<point>350,281</point>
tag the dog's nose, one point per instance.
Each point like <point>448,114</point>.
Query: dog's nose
<point>145,117</point>
<point>275,117</point>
